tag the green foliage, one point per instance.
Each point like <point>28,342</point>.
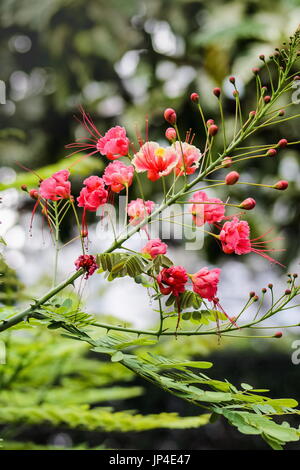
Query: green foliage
<point>51,381</point>
<point>10,286</point>
<point>250,412</point>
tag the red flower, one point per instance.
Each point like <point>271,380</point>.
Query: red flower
<point>155,247</point>
<point>156,160</point>
<point>56,187</point>
<point>234,237</point>
<point>88,263</point>
<point>210,211</point>
<point>172,280</point>
<point>118,176</point>
<point>93,195</point>
<point>113,144</point>
<point>205,283</point>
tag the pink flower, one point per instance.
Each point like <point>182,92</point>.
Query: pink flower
<point>156,160</point>
<point>114,144</point>
<point>172,280</point>
<point>211,211</point>
<point>118,176</point>
<point>155,247</point>
<point>191,156</point>
<point>88,263</point>
<point>234,237</point>
<point>93,195</point>
<point>56,187</point>
<point>138,210</point>
<point>205,283</point>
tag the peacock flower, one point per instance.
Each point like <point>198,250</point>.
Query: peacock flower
<point>157,161</point>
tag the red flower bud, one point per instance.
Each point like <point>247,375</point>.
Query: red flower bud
<point>271,152</point>
<point>232,178</point>
<point>217,92</point>
<point>84,233</point>
<point>255,70</point>
<point>278,334</point>
<point>210,122</point>
<point>252,114</point>
<point>170,115</point>
<point>194,97</point>
<point>170,133</point>
<point>262,57</point>
<point>281,112</point>
<point>281,185</point>
<point>24,188</point>
<point>34,193</point>
<point>288,292</point>
<point>267,99</point>
<point>232,80</point>
<point>248,204</point>
<point>227,162</point>
<point>213,130</point>
<point>282,143</point>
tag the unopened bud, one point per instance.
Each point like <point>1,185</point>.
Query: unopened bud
<point>210,122</point>
<point>213,130</point>
<point>251,294</point>
<point>267,99</point>
<point>281,112</point>
<point>170,133</point>
<point>278,334</point>
<point>232,178</point>
<point>255,70</point>
<point>227,162</point>
<point>264,290</point>
<point>270,286</point>
<point>235,93</point>
<point>232,80</point>
<point>252,114</point>
<point>271,152</point>
<point>248,204</point>
<point>281,185</point>
<point>84,233</point>
<point>24,188</point>
<point>282,143</point>
<point>217,92</point>
<point>262,57</point>
<point>194,97</point>
<point>170,115</point>
<point>33,193</point>
<point>288,292</point>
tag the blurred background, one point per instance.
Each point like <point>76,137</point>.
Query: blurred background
<point>123,61</point>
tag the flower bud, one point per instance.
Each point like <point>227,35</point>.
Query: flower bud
<point>278,334</point>
<point>252,114</point>
<point>271,152</point>
<point>252,294</point>
<point>288,292</point>
<point>282,143</point>
<point>24,188</point>
<point>217,92</point>
<point>267,99</point>
<point>264,290</point>
<point>232,178</point>
<point>270,286</point>
<point>248,204</point>
<point>281,112</point>
<point>84,233</point>
<point>170,115</point>
<point>213,130</point>
<point>210,122</point>
<point>235,93</point>
<point>232,80</point>
<point>281,185</point>
<point>227,162</point>
<point>33,193</point>
<point>255,70</point>
<point>262,57</point>
<point>170,133</point>
<point>194,97</point>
